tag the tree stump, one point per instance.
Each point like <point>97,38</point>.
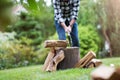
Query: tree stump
<point>72,56</point>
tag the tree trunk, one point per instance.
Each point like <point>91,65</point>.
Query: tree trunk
<point>72,56</point>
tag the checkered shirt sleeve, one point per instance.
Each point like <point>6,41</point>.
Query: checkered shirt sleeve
<point>75,9</point>
<point>57,11</point>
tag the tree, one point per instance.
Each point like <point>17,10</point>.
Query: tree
<point>5,13</point>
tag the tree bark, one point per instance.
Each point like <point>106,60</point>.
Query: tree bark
<point>72,56</point>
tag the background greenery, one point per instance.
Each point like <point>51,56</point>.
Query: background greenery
<point>36,25</point>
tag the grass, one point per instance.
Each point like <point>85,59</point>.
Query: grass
<point>36,73</point>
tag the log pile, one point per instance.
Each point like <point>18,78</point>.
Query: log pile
<point>61,57</point>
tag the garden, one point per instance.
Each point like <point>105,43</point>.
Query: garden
<point>26,24</point>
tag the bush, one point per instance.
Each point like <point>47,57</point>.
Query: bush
<point>13,54</point>
<point>16,55</point>
<point>89,39</point>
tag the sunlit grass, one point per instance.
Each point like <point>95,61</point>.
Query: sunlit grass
<point>36,73</point>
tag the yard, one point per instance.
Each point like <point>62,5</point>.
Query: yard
<point>36,73</point>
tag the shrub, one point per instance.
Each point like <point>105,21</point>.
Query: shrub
<point>16,55</point>
<point>89,39</point>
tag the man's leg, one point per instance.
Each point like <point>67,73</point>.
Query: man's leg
<point>60,31</point>
<point>74,35</point>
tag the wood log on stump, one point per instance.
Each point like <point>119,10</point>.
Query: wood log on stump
<point>106,73</point>
<point>85,60</point>
<point>56,43</point>
<point>72,56</point>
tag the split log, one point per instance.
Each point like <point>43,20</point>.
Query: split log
<point>50,56</point>
<point>85,60</point>
<point>72,56</point>
<point>54,62</point>
<point>93,63</point>
<point>106,73</point>
<point>56,43</point>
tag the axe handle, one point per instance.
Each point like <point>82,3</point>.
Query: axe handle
<point>69,39</point>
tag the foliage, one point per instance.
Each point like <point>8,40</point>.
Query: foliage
<point>36,73</point>
<point>87,14</point>
<point>45,14</point>
<point>29,30</point>
<point>15,55</point>
<point>89,39</point>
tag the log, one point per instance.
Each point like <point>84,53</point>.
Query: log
<point>54,62</point>
<point>72,56</point>
<point>93,63</point>
<point>85,60</point>
<point>106,73</point>
<point>56,43</point>
<point>49,58</point>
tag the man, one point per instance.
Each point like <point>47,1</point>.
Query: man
<point>66,12</point>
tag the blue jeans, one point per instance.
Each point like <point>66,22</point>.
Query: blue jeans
<point>74,33</point>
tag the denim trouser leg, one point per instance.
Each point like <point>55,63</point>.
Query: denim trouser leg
<point>60,31</point>
<point>74,33</point>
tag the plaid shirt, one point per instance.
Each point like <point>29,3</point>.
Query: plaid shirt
<point>66,10</point>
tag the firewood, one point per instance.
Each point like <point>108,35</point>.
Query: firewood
<point>106,73</point>
<point>54,62</point>
<point>85,60</point>
<point>49,58</point>
<point>56,43</point>
<point>93,63</point>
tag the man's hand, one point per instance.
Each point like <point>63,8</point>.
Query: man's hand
<point>68,29</point>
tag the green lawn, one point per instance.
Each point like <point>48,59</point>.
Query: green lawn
<point>36,73</point>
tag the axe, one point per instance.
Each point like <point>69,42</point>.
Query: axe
<point>69,39</point>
